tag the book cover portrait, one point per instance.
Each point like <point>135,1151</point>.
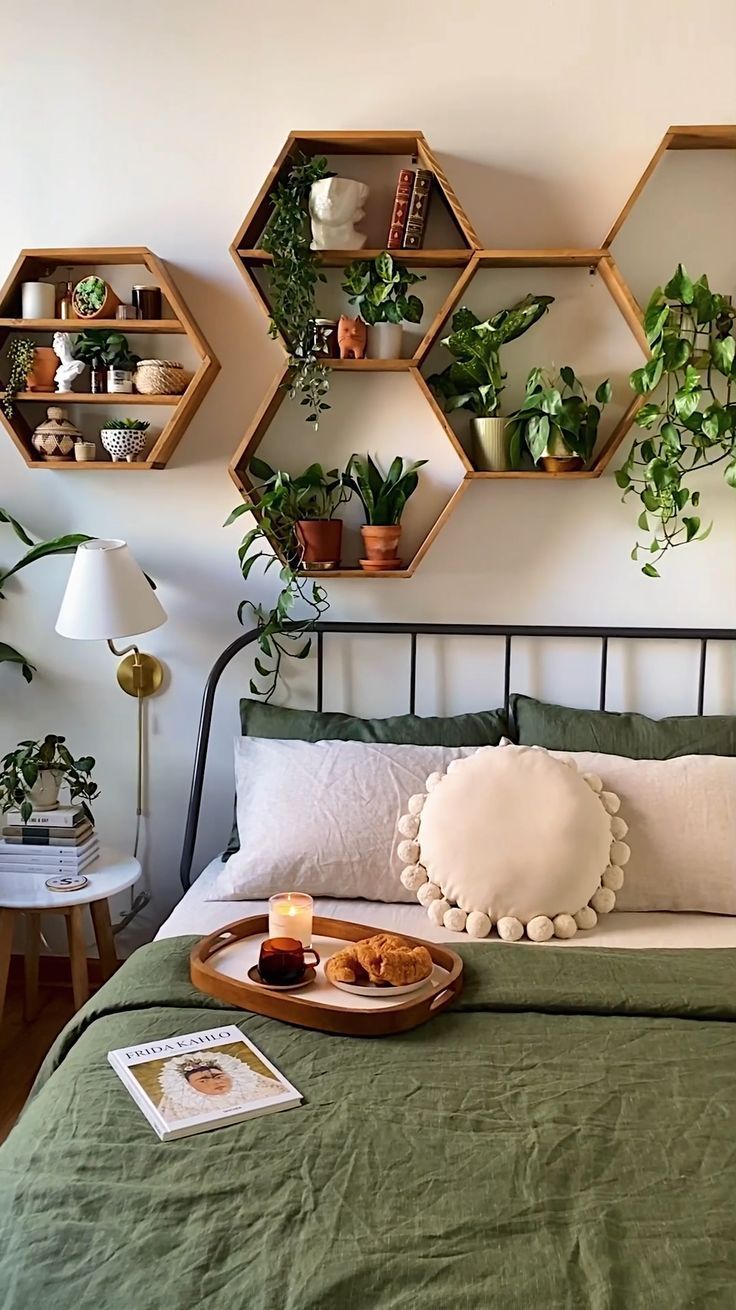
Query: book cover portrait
<point>214,1081</point>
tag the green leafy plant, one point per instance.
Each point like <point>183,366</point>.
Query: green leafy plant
<point>89,295</point>
<point>475,380</point>
<point>293,281</point>
<point>104,348</point>
<point>280,501</point>
<point>20,770</point>
<point>20,359</point>
<point>556,417</point>
<point>380,289</point>
<point>690,331</point>
<point>383,496</point>
<point>126,424</point>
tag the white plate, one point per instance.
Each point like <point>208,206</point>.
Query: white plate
<point>376,992</point>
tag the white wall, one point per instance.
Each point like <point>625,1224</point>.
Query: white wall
<point>167,117</point>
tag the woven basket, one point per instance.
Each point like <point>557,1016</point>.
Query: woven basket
<point>161,377</point>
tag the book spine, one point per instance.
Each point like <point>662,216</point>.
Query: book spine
<point>54,819</point>
<point>417,220</point>
<point>47,837</point>
<point>400,211</point>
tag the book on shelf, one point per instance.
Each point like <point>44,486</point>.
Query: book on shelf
<point>64,816</point>
<point>400,211</point>
<point>418,206</point>
<point>55,837</point>
<point>205,1080</point>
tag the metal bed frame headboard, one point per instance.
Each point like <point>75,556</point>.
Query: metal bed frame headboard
<point>414,630</point>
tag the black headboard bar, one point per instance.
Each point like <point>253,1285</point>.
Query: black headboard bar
<point>415,630</point>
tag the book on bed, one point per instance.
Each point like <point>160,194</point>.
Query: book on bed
<point>201,1081</point>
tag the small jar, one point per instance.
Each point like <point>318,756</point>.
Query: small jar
<point>98,381</point>
<point>126,311</point>
<point>147,301</point>
<point>38,300</point>
<point>65,308</point>
<point>324,337</point>
<point>120,381</point>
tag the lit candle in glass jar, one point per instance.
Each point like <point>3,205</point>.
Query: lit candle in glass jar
<point>290,915</point>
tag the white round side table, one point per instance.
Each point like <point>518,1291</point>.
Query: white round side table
<point>27,894</point>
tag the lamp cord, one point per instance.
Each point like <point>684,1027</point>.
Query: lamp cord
<point>143,898</point>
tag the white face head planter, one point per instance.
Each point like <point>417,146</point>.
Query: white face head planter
<point>69,368</point>
<point>336,204</point>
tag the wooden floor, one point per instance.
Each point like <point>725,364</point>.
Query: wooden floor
<point>24,1045</point>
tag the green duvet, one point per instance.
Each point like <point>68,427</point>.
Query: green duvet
<point>564,1136</point>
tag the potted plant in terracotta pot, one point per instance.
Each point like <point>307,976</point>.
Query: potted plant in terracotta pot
<point>93,297</point>
<point>380,289</point>
<point>556,422</point>
<point>302,510</point>
<point>32,775</point>
<point>383,498</point>
<point>475,380</point>
<point>32,368</point>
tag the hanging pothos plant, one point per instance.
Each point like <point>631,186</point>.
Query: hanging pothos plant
<point>690,331</point>
<point>36,550</point>
<point>294,276</point>
<point>281,501</point>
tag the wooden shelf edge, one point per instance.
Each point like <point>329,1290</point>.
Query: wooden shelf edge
<point>541,476</point>
<point>94,465</point>
<point>130,326</point>
<point>326,575</point>
<point>112,398</point>
<point>566,257</point>
<point>429,258</point>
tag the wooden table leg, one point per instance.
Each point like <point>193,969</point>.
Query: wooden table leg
<point>32,945</point>
<point>77,954</point>
<point>100,911</point>
<point>7,925</point>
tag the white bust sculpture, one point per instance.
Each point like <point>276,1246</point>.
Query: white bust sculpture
<point>336,204</point>
<point>69,368</point>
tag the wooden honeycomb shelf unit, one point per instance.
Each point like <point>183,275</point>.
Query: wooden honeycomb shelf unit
<point>468,257</point>
<point>41,264</point>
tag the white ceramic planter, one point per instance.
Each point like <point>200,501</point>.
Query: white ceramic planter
<point>44,794</point>
<point>38,300</point>
<point>490,445</point>
<point>384,341</point>
<point>122,443</point>
<point>120,381</point>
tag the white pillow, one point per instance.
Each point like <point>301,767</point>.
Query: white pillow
<point>681,817</point>
<point>321,816</point>
<point>513,838</point>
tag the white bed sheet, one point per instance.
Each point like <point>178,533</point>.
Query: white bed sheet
<point>196,915</point>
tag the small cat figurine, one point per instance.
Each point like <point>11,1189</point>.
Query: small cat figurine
<point>351,337</point>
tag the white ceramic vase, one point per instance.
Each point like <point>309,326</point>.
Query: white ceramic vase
<point>490,445</point>
<point>384,341</point>
<point>38,300</point>
<point>44,794</point>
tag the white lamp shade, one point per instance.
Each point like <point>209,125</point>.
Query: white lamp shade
<point>107,595</point>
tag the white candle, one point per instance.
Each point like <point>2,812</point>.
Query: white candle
<point>290,915</point>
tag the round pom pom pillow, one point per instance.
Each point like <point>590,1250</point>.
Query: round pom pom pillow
<point>513,838</point>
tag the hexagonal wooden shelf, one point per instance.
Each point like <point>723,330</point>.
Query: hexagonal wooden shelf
<point>35,264</point>
<point>240,463</point>
<point>600,264</point>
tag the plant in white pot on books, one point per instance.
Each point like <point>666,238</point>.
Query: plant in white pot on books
<point>32,775</point>
<point>475,379</point>
<point>380,289</point>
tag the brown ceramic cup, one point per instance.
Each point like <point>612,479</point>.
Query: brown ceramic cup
<point>283,960</point>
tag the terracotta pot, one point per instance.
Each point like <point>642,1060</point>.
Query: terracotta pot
<point>108,308</point>
<point>561,463</point>
<point>42,370</point>
<point>381,545</point>
<point>321,542</point>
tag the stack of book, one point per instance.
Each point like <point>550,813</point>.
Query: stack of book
<point>409,216</point>
<point>54,842</point>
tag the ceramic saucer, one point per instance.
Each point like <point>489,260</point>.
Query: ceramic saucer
<point>309,976</point>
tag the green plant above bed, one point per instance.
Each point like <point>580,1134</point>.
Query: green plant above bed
<point>691,421</point>
<point>281,501</point>
<point>556,418</point>
<point>294,276</point>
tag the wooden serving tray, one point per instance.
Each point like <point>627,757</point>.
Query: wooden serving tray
<point>219,963</point>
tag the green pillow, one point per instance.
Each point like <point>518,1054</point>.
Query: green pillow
<point>482,728</point>
<point>633,735</point>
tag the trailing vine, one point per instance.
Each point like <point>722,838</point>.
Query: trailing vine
<point>690,332</point>
<point>20,358</point>
<point>294,276</point>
